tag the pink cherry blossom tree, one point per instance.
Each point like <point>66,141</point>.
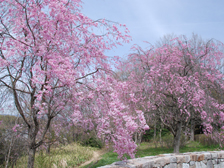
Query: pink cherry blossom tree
<point>175,83</point>
<point>52,61</point>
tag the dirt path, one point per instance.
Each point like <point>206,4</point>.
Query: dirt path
<point>95,158</point>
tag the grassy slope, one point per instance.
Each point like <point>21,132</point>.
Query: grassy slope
<point>71,156</point>
<point>146,149</point>
<point>74,155</point>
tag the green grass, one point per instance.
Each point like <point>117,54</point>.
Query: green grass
<point>148,149</point>
<point>107,159</point>
<point>68,156</point>
<point>74,155</point>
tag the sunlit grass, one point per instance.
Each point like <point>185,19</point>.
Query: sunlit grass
<point>68,156</point>
<point>73,155</point>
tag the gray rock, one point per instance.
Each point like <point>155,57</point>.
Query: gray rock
<point>121,163</point>
<point>185,165</point>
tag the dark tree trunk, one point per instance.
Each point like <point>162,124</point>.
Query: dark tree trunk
<point>31,157</point>
<point>192,129</point>
<point>160,137</point>
<point>154,136</point>
<point>31,147</point>
<point>160,134</point>
<point>48,150</point>
<point>177,136</point>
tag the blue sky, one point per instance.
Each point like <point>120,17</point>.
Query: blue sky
<point>149,20</point>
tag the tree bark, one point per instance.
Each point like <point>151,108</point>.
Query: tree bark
<point>48,150</point>
<point>138,138</point>
<point>154,136</point>
<point>192,129</point>
<point>177,136</point>
<point>31,147</point>
<point>31,157</point>
<point>49,143</point>
<point>160,134</point>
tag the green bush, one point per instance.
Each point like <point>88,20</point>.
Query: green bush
<point>168,140</point>
<point>149,134</point>
<point>93,142</point>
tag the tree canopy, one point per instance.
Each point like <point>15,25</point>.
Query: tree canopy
<point>53,62</point>
<point>176,81</point>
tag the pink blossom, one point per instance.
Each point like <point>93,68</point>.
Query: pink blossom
<point>14,128</point>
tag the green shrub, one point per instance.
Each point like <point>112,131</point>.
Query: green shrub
<point>93,142</point>
<point>169,138</point>
<point>149,134</point>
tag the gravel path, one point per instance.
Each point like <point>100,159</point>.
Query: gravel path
<point>95,158</point>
